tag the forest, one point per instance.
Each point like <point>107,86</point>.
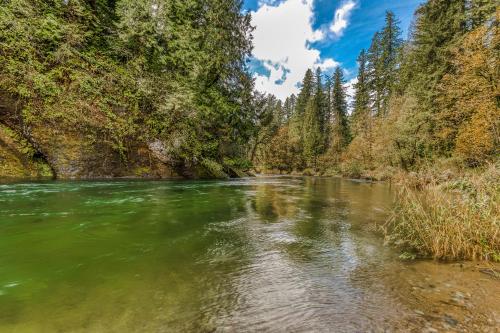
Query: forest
<point>417,101</point>
<point>161,89</point>
<point>97,88</point>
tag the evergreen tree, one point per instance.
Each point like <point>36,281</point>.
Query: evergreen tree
<point>298,119</point>
<point>266,123</point>
<point>480,11</point>
<point>175,66</point>
<point>306,91</point>
<point>328,111</point>
<point>390,44</point>
<point>293,104</point>
<point>438,25</point>
<point>279,114</point>
<point>322,109</point>
<point>375,73</point>
<point>312,133</point>
<point>289,106</point>
<point>340,133</point>
<point>361,114</point>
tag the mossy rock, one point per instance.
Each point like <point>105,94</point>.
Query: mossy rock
<point>209,169</point>
<point>18,159</point>
<point>235,172</point>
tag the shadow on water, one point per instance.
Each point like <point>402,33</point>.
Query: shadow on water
<point>266,254</point>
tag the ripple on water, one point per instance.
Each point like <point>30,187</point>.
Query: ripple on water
<point>143,256</point>
<point>117,201</point>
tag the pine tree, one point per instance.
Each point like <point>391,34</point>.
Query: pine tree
<point>293,104</point>
<point>297,120</point>
<point>287,108</point>
<point>438,25</point>
<point>361,114</point>
<point>480,11</point>
<point>306,91</point>
<point>312,133</point>
<point>375,73</point>
<point>322,108</point>
<point>340,134</point>
<point>279,114</point>
<point>329,111</point>
<point>390,44</point>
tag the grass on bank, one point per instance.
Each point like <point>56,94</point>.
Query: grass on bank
<point>447,216</point>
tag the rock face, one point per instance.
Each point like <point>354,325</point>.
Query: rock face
<point>54,153</point>
<point>18,159</point>
<point>60,151</point>
<point>72,156</point>
<point>66,154</point>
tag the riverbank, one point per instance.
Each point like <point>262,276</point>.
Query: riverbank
<point>447,216</point>
<point>49,153</point>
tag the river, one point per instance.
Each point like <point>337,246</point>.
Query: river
<point>267,254</point>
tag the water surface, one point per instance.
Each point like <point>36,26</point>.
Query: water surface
<point>271,254</point>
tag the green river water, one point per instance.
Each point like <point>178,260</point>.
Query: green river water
<point>269,254</point>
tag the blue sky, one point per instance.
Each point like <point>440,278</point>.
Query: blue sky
<point>293,35</point>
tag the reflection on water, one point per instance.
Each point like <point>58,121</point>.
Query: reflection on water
<point>268,254</point>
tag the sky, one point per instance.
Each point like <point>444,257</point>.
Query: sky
<point>293,35</point>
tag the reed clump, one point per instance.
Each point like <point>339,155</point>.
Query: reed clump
<point>448,216</point>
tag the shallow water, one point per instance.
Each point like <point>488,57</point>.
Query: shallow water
<point>270,254</point>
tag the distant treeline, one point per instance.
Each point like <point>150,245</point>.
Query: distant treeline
<point>433,96</point>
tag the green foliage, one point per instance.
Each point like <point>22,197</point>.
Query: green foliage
<point>390,43</point>
<point>341,134</point>
<point>312,132</point>
<point>352,169</point>
<point>361,113</point>
<point>124,71</point>
<point>375,73</point>
<point>238,163</point>
<point>382,64</point>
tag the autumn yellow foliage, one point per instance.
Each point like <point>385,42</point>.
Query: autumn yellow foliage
<point>470,97</point>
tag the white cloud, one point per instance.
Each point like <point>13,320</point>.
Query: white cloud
<point>269,2</point>
<point>341,18</point>
<point>327,64</point>
<point>281,41</point>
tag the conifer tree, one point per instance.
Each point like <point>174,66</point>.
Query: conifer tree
<point>321,106</point>
<point>361,114</point>
<point>313,140</point>
<point>279,114</point>
<point>375,72</point>
<point>438,25</point>
<point>390,44</point>
<point>306,91</point>
<point>328,110</point>
<point>480,11</point>
<point>340,134</point>
<point>293,104</point>
<point>297,120</point>
<point>287,108</point>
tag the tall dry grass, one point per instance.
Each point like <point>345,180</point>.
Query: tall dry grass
<point>448,217</point>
